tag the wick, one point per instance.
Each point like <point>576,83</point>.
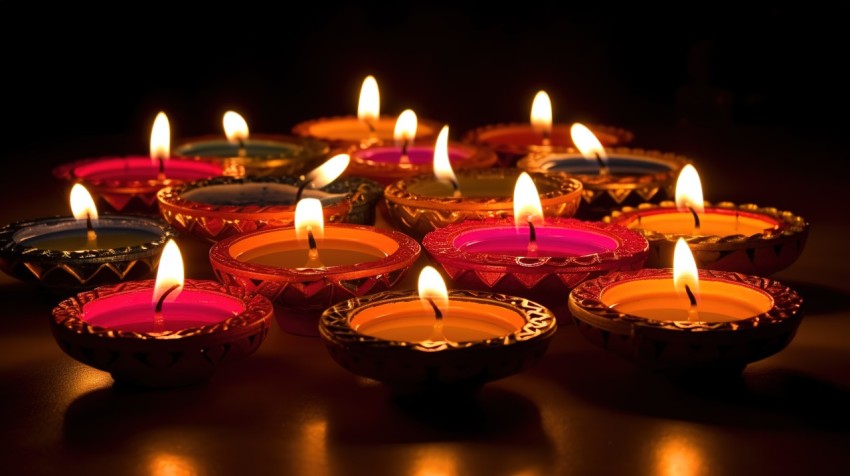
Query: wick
<point>691,297</point>
<point>696,217</point>
<point>242,151</point>
<point>91,236</point>
<point>301,187</point>
<point>532,239</point>
<point>161,174</point>
<point>404,160</point>
<point>438,315</point>
<point>603,169</point>
<point>158,309</point>
<point>313,260</point>
<point>370,126</point>
<point>546,141</point>
<point>437,334</point>
<point>456,188</point>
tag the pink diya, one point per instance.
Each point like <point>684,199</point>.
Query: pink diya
<point>309,267</point>
<point>130,184</point>
<point>529,256</point>
<point>742,238</point>
<point>367,129</point>
<point>436,340</point>
<point>683,320</point>
<point>387,164</point>
<point>513,141</point>
<point>221,207</point>
<point>163,333</point>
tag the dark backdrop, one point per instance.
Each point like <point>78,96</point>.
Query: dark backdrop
<point>82,70</point>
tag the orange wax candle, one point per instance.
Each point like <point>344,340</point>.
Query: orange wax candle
<point>718,222</point>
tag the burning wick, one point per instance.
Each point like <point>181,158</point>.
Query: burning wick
<point>404,159</point>
<point>161,174</point>
<point>241,145</point>
<point>91,236</point>
<point>532,239</point>
<point>304,183</point>
<point>313,260</point>
<point>603,169</point>
<point>546,140</point>
<point>693,315</point>
<point>158,309</point>
<point>455,188</point>
<point>437,334</point>
<point>696,217</point>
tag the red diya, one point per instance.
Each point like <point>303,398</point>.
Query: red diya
<point>307,268</point>
<point>436,340</point>
<point>513,141</point>
<point>130,184</point>
<point>387,164</point>
<point>70,254</point>
<point>367,129</point>
<point>217,208</point>
<point>528,256</point>
<point>683,320</point>
<point>742,238</point>
<point>163,333</point>
<point>241,154</point>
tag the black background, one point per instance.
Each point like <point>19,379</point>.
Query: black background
<point>82,70</point>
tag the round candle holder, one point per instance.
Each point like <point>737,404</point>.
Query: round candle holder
<point>382,163</point>
<point>475,255</point>
<point>770,249</point>
<point>25,255</point>
<point>301,294</point>
<point>679,347</point>
<point>512,141</point>
<point>416,212</point>
<point>636,176</point>
<point>364,195</point>
<point>130,184</point>
<point>217,208</point>
<point>263,154</point>
<point>420,366</point>
<point>350,133</point>
<point>167,358</point>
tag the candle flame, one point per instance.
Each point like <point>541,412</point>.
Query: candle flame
<point>587,143</point>
<point>82,205</point>
<point>689,190</point>
<point>329,171</point>
<point>235,127</point>
<point>432,286</point>
<point>527,205</point>
<point>685,269</point>
<point>541,113</point>
<point>369,107</point>
<point>308,217</point>
<point>160,138</point>
<point>442,167</point>
<point>405,127</point>
<point>169,274</point>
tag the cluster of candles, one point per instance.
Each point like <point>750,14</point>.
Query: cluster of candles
<point>541,224</point>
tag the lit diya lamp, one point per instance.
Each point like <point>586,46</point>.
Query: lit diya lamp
<point>69,254</point>
<point>528,255</point>
<point>742,238</point>
<point>367,129</point>
<point>436,339</point>
<point>241,154</point>
<point>163,333</point>
<point>217,208</point>
<point>387,164</point>
<point>515,140</point>
<point>307,268</point>
<point>130,184</point>
<point>613,177</point>
<point>681,319</point>
<point>420,204</point>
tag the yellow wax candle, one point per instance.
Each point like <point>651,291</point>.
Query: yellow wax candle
<point>712,222</point>
<point>292,254</point>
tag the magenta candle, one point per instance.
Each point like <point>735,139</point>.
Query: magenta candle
<point>116,329</point>
<point>493,255</point>
<point>129,184</point>
<point>383,164</point>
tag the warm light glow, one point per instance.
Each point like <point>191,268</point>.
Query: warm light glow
<point>677,455</point>
<point>82,205</point>
<point>541,113</point>
<point>329,171</point>
<point>685,269</point>
<point>170,272</point>
<point>587,143</point>
<point>527,205</point>
<point>432,286</point>
<point>235,127</point>
<point>689,190</point>
<point>308,217</point>
<point>369,107</point>
<point>166,464</point>
<point>442,167</point>
<point>405,127</point>
<point>160,138</point>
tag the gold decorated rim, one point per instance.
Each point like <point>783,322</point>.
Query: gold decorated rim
<point>607,135</point>
<point>790,226</point>
<point>587,305</point>
<point>558,189</point>
<point>335,323</point>
<point>537,162</point>
<point>68,314</point>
